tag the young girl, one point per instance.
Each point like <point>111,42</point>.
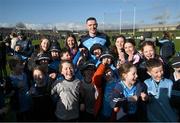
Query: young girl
<point>20,101</point>
<point>127,93</point>
<point>43,48</point>
<point>69,91</point>
<point>149,52</point>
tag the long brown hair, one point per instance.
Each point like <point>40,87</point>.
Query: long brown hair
<point>75,41</point>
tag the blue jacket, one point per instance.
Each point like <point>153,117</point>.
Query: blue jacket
<point>27,47</point>
<point>106,107</point>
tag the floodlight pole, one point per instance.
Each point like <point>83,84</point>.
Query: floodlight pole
<point>120,18</point>
<point>104,22</point>
<point>134,20</point>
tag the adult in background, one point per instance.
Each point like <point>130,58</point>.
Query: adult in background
<point>26,45</point>
<point>71,44</point>
<point>14,39</point>
<point>93,35</point>
<point>167,47</point>
<point>118,49</point>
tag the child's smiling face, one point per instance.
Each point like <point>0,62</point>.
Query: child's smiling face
<point>131,76</point>
<point>97,52</point>
<point>148,52</point>
<point>156,73</point>
<point>67,71</point>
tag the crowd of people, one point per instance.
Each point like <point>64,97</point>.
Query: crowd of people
<point>89,80</point>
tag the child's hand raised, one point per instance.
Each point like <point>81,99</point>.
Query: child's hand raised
<point>116,109</point>
<point>82,107</point>
<point>82,49</point>
<point>105,61</point>
<point>53,75</point>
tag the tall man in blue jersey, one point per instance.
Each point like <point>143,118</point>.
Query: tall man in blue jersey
<point>93,35</point>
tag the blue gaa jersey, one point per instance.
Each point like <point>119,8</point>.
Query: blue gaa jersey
<point>164,87</point>
<point>128,92</point>
<point>100,38</point>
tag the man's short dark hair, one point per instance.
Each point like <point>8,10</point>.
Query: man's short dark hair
<point>91,18</point>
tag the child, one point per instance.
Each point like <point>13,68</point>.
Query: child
<point>87,71</point>
<point>148,50</point>
<point>127,94</point>
<point>69,91</point>
<point>53,67</point>
<point>20,101</point>
<point>159,89</point>
<point>175,99</point>
<point>96,51</point>
<point>40,94</point>
<point>110,62</point>
<point>65,55</point>
<point>110,81</point>
<point>97,81</point>
<point>176,74</point>
<point>103,89</point>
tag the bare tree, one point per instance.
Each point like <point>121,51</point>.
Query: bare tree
<point>20,25</point>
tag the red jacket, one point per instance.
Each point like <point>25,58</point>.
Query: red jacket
<point>97,82</point>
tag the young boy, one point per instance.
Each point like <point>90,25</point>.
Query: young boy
<point>69,91</point>
<point>53,67</point>
<point>65,55</point>
<point>87,71</point>
<point>159,90</point>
